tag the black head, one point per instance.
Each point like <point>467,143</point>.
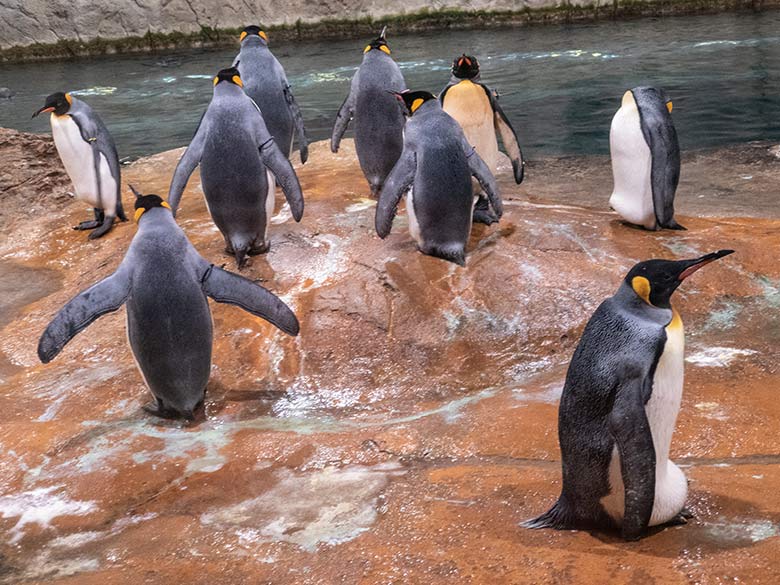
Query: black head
<point>379,43</point>
<point>59,103</point>
<point>465,67</point>
<point>412,100</point>
<point>656,93</point>
<point>253,30</point>
<point>231,75</point>
<point>654,281</point>
<point>144,203</point>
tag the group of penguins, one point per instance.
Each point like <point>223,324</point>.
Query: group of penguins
<point>624,384</point>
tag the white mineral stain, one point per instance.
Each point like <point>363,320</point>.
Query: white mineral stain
<point>717,357</point>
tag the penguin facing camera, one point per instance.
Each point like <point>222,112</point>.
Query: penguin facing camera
<point>475,106</point>
<point>645,159</point>
<point>239,163</point>
<point>165,284</point>
<point>619,406</point>
<point>89,155</point>
<point>266,83</point>
<point>434,172</point>
<point>379,123</point>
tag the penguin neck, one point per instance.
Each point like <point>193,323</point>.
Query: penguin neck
<point>628,299</point>
<point>254,42</point>
<point>156,218</point>
<point>475,79</point>
<point>427,107</point>
<point>226,89</point>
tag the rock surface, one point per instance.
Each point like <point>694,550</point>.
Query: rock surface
<point>410,428</point>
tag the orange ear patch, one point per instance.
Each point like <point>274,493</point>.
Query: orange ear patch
<point>237,80</point>
<point>242,37</point>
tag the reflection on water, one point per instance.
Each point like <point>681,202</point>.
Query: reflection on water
<point>559,84</point>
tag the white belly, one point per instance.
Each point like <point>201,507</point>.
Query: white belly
<point>632,196</point>
<point>270,199</point>
<point>414,227</point>
<point>78,159</point>
<point>671,487</point>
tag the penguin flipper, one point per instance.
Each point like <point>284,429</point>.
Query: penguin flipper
<point>96,134</point>
<point>189,160</point>
<point>508,138</point>
<point>346,111</point>
<point>280,166</point>
<point>300,130</point>
<point>631,430</point>
<point>226,287</point>
<point>487,181</point>
<point>104,297</point>
<point>397,183</point>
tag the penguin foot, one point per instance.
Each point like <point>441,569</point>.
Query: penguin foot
<point>258,249</point>
<point>682,518</point>
<point>104,228</point>
<point>156,408</point>
<point>87,225</point>
<point>484,216</point>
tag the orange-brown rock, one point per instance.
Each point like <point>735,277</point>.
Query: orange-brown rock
<point>411,427</point>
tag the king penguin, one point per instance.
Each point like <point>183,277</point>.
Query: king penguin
<point>475,106</point>
<point>434,171</point>
<point>379,122</point>
<point>165,284</point>
<point>90,158</point>
<point>645,159</point>
<point>237,157</point>
<point>266,83</point>
<point>619,406</point>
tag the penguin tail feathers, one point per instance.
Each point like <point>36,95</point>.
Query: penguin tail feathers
<point>453,253</point>
<point>673,225</point>
<point>240,254</point>
<point>557,517</point>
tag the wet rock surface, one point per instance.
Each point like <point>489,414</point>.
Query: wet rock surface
<point>411,427</point>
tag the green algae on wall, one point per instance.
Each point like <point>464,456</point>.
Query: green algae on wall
<point>425,19</point>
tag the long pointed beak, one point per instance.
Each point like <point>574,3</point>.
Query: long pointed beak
<point>135,192</point>
<point>383,34</point>
<point>42,110</point>
<point>692,266</point>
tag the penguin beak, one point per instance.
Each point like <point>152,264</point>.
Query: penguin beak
<point>669,106</point>
<point>691,266</point>
<point>382,35</point>
<point>42,110</point>
<point>135,192</point>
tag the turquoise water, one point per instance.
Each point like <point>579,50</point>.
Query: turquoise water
<point>560,84</point>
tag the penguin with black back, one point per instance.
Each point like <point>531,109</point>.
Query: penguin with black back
<point>379,123</point>
<point>165,284</point>
<point>434,172</point>
<point>239,160</point>
<point>89,155</point>
<point>619,407</point>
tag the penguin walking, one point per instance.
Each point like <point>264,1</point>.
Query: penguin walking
<point>619,407</point>
<point>434,172</point>
<point>475,106</point>
<point>90,158</point>
<point>379,121</point>
<point>645,159</point>
<point>266,83</point>
<point>165,284</point>
<point>239,160</point>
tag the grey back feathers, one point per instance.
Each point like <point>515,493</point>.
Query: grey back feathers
<point>379,122</point>
<point>165,282</point>
<point>266,83</point>
<point>661,137</point>
<point>436,164</point>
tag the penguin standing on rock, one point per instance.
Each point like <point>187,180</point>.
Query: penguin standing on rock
<point>90,158</point>
<point>434,172</point>
<point>266,83</point>
<point>238,162</point>
<point>165,284</point>
<point>619,406</point>
<point>645,159</point>
<point>475,106</point>
<point>379,122</point>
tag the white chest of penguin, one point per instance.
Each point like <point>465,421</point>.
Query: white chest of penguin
<point>671,487</point>
<point>470,106</point>
<point>78,158</point>
<point>632,163</point>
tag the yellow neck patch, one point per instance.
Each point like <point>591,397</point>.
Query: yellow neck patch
<point>669,106</point>
<point>216,80</point>
<point>237,80</point>
<point>263,36</point>
<point>676,322</point>
<point>70,99</point>
<point>140,211</point>
<point>641,287</point>
<point>416,104</point>
<point>628,99</point>
<point>242,37</point>
<point>383,48</point>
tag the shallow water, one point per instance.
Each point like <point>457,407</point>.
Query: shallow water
<point>560,85</point>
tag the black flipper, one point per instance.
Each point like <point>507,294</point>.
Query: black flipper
<point>344,116</point>
<point>303,143</point>
<point>280,166</point>
<point>508,136</point>
<point>629,426</point>
<point>104,297</point>
<point>189,160</point>
<point>226,287</point>
<point>397,183</point>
